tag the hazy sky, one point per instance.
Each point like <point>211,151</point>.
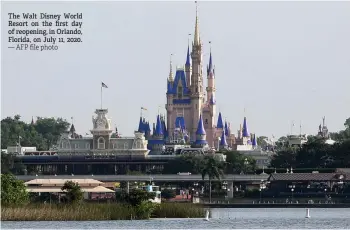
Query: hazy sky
<point>282,61</point>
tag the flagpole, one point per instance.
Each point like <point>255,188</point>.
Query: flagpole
<point>101,95</point>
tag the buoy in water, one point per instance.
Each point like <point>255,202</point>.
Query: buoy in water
<point>207,215</point>
<point>307,213</point>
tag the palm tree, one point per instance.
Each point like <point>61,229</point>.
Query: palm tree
<point>213,168</point>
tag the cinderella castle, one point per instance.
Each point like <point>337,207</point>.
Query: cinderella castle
<point>191,117</point>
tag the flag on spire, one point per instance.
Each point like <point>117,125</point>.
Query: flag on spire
<point>143,108</point>
<point>104,85</point>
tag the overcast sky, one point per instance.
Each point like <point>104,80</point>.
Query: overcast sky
<point>282,61</point>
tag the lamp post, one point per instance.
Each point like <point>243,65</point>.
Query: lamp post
<point>292,187</point>
<point>262,187</point>
<point>325,195</point>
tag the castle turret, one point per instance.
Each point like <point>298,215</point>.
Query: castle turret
<point>220,124</point>
<point>140,129</point>
<point>254,143</point>
<point>200,134</point>
<point>211,81</point>
<point>245,131</point>
<point>158,137</point>
<point>226,129</point>
<point>188,67</point>
<point>223,143</point>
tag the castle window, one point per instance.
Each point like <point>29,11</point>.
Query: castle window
<point>101,143</point>
<point>179,91</point>
<point>87,146</point>
<point>206,121</point>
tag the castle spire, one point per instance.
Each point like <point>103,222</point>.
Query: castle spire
<point>159,130</point>
<point>226,128</point>
<point>245,128</point>
<point>171,78</point>
<point>220,124</point>
<point>188,57</point>
<point>196,41</point>
<point>140,125</point>
<point>210,66</point>
<point>200,127</point>
<point>254,141</point>
<point>223,142</point>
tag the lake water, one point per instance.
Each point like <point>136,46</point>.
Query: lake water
<point>245,218</point>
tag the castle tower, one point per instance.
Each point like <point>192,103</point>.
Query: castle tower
<point>245,133</point>
<point>170,97</point>
<point>211,80</point>
<point>209,110</point>
<point>159,136</point>
<point>254,143</point>
<point>196,88</point>
<point>223,143</point>
<point>101,129</point>
<point>188,67</point>
<point>226,129</point>
<point>201,140</point>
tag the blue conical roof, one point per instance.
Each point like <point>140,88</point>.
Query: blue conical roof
<point>210,70</point>
<point>226,129</point>
<point>159,129</point>
<point>245,128</point>
<point>223,141</point>
<point>220,124</point>
<point>200,128</point>
<point>254,141</point>
<point>140,129</point>
<point>188,57</point>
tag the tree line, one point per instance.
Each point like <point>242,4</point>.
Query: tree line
<point>43,133</point>
<point>315,153</point>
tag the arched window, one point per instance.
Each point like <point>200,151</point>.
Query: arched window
<point>101,143</point>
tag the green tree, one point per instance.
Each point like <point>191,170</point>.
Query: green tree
<point>168,194</point>
<point>184,163</point>
<point>13,191</point>
<point>73,192</point>
<point>314,154</point>
<point>212,168</point>
<point>51,129</point>
<point>284,158</point>
<point>137,196</point>
<point>237,163</point>
<point>41,134</point>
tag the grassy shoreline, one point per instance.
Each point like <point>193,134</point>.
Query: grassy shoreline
<point>95,212</point>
